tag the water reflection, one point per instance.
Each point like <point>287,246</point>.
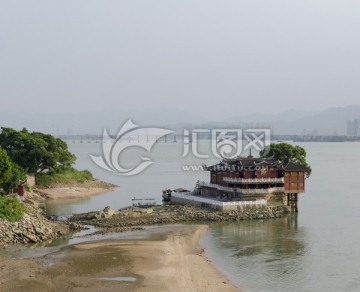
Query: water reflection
<point>64,207</point>
<point>261,251</point>
<point>316,251</point>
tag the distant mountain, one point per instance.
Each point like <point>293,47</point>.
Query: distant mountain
<point>330,121</point>
<point>287,116</point>
<point>95,122</point>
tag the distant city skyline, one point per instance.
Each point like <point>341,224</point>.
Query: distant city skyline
<point>331,121</point>
<point>352,127</point>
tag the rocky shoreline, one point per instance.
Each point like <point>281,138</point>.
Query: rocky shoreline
<point>134,218</point>
<point>34,226</point>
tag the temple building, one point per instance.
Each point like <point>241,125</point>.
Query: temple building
<point>251,179</point>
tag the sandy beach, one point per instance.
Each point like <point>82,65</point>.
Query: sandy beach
<point>173,261</point>
<point>74,191</point>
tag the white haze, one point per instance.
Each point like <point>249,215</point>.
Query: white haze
<point>215,59</point>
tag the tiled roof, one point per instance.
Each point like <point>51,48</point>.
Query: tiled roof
<point>294,167</point>
<point>243,163</point>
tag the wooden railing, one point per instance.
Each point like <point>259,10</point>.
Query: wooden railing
<point>253,180</point>
<point>242,191</point>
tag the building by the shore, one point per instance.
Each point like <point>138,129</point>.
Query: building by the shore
<point>249,179</point>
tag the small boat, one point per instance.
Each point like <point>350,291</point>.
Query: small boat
<point>144,203</point>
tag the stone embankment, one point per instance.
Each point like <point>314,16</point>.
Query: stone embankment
<point>34,226</point>
<point>133,218</point>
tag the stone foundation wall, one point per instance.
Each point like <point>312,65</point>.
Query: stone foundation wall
<point>197,201</point>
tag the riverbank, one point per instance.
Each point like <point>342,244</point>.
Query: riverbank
<point>34,227</point>
<point>74,190</point>
<point>170,261</point>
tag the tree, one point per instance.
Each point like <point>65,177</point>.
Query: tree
<point>35,152</point>
<point>286,153</point>
<point>10,173</point>
<point>5,168</point>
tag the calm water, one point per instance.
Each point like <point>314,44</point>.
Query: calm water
<point>316,250</point>
<point>166,172</point>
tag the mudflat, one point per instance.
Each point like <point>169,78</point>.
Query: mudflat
<point>173,261</point>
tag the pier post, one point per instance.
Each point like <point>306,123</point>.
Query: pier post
<point>296,202</point>
<point>292,201</point>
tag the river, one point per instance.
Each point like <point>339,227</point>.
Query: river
<point>314,250</point>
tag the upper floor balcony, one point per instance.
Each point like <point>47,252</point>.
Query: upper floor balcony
<point>257,191</point>
<point>253,180</point>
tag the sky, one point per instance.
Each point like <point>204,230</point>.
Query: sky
<point>215,58</point>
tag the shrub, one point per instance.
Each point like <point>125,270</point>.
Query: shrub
<point>27,188</point>
<point>11,208</point>
<point>65,175</point>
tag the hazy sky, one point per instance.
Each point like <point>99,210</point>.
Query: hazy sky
<point>216,57</point>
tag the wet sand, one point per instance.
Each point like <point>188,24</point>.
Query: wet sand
<point>173,261</point>
<point>59,191</point>
<point>72,192</point>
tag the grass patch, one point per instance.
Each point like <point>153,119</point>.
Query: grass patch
<point>63,175</point>
<point>11,209</point>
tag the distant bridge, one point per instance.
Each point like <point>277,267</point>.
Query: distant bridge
<point>179,137</point>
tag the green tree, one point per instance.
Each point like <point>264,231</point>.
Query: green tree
<point>17,175</point>
<point>287,153</point>
<point>5,168</point>
<point>35,152</point>
<point>10,173</point>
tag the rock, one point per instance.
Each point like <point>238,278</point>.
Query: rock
<point>108,212</point>
<point>75,227</point>
<point>33,227</point>
<point>17,231</point>
<point>135,217</point>
<point>39,231</point>
<point>104,214</point>
<point>32,238</point>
